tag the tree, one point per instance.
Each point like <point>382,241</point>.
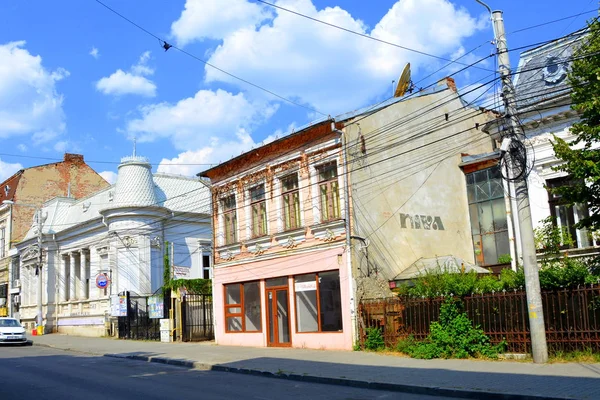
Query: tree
<point>581,156</point>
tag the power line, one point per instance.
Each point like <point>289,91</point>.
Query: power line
<point>167,46</point>
<point>553,21</point>
<point>361,34</point>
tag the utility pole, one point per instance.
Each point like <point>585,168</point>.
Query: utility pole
<point>39,268</point>
<point>537,330</point>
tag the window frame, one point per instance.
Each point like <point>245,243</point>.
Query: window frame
<point>2,241</point>
<point>261,221</point>
<point>556,200</point>
<point>293,206</point>
<point>230,229</point>
<point>332,210</point>
<point>206,265</point>
<point>319,323</point>
<point>241,305</point>
<point>488,202</point>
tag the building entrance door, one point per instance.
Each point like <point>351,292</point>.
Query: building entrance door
<point>278,317</point>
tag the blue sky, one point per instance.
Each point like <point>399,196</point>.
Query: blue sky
<point>75,77</point>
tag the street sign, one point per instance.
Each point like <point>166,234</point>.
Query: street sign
<point>102,281</point>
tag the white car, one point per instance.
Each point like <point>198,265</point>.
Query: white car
<point>11,331</point>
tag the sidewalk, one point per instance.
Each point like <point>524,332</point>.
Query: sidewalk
<point>455,378</point>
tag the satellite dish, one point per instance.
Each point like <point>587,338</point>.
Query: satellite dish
<point>403,82</point>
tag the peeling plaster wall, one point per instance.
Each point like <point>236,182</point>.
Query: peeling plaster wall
<point>408,191</point>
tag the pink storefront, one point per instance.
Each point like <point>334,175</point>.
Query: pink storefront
<point>280,272</point>
<point>299,301</point>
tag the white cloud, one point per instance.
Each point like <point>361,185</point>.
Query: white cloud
<point>215,19</point>
<point>22,147</point>
<point>195,121</point>
<point>94,53</point>
<point>109,176</point>
<point>29,101</point>
<point>330,69</point>
<point>215,151</point>
<point>61,146</point>
<point>8,169</point>
<point>190,162</point>
<point>133,82</point>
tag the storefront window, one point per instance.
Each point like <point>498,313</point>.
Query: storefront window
<point>242,307</point>
<point>318,302</point>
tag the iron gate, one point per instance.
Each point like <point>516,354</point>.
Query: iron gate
<point>197,317</point>
<point>138,324</point>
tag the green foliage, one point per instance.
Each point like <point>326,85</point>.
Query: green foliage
<point>196,286</point>
<point>511,280</point>
<point>557,273</point>
<point>166,270</point>
<point>441,283</point>
<point>566,272</point>
<point>550,238</point>
<point>374,340</point>
<point>452,336</point>
<point>461,284</point>
<point>580,158</point>
<point>504,259</point>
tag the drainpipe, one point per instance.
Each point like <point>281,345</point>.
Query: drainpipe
<point>351,286</point>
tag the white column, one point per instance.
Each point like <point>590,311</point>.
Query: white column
<point>85,272</point>
<point>72,278</point>
<point>63,284</point>
<point>81,276</point>
<point>25,286</point>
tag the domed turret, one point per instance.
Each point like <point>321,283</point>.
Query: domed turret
<point>135,186</point>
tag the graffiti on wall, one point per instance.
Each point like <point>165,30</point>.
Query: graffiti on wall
<point>426,222</point>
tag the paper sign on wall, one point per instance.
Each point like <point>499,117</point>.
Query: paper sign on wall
<point>181,272</point>
<point>305,286</point>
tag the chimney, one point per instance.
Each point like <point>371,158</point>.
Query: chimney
<point>450,83</point>
<point>74,158</point>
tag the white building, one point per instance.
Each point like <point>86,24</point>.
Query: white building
<point>544,110</point>
<point>543,95</point>
<point>118,233</point>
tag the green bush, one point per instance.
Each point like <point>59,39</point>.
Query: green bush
<point>559,273</point>
<point>504,259</point>
<point>452,336</point>
<point>374,340</point>
<point>550,239</point>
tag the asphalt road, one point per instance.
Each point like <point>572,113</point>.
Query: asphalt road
<point>41,373</point>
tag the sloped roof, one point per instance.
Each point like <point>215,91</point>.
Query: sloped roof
<point>173,192</point>
<point>542,72</point>
<point>440,264</point>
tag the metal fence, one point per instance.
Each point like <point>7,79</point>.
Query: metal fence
<point>197,317</point>
<point>138,324</point>
<point>572,318</point>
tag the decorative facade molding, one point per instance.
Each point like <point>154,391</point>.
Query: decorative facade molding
<point>290,243</point>
<point>129,241</point>
<point>31,253</point>
<point>156,242</point>
<point>329,235</point>
<point>258,249</point>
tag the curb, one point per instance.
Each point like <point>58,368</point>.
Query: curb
<point>392,387</point>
